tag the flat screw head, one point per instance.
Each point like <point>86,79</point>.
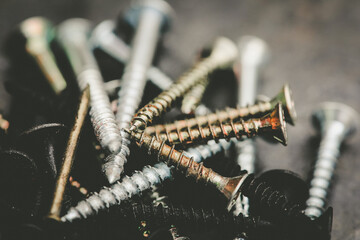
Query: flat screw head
<point>133,14</point>
<point>330,112</point>
<point>285,97</point>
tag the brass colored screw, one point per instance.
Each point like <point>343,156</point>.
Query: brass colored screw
<point>39,32</point>
<point>223,55</point>
<point>216,129</point>
<point>229,187</point>
<point>69,155</point>
<point>284,97</point>
<point>193,98</point>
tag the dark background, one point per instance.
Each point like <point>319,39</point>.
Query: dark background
<point>315,46</point>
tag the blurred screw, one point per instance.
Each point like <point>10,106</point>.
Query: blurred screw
<point>222,56</point>
<point>39,33</point>
<point>193,98</point>
<point>336,122</point>
<point>119,192</point>
<point>272,123</point>
<point>253,52</point>
<point>104,38</point>
<point>149,18</point>
<point>69,155</point>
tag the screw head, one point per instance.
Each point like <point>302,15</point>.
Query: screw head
<point>160,6</point>
<point>285,97</point>
<point>74,30</point>
<point>232,189</point>
<point>101,31</point>
<point>278,123</point>
<point>330,112</point>
<point>224,51</point>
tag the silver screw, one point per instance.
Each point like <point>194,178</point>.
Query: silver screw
<point>253,53</point>
<point>73,35</point>
<point>119,192</point>
<point>336,122</point>
<point>149,17</point>
<point>103,37</point>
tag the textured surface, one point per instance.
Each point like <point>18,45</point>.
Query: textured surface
<point>315,47</point>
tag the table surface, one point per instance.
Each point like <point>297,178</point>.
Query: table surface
<point>315,47</point>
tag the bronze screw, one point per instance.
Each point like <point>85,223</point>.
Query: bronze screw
<point>231,114</point>
<point>69,155</point>
<point>229,187</point>
<point>188,133</point>
<point>223,55</point>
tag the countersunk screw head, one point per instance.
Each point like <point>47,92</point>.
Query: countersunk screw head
<point>330,112</point>
<point>285,97</point>
<point>160,6</point>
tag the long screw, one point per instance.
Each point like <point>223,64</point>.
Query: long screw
<point>222,56</point>
<point>231,114</point>
<point>193,98</point>
<point>150,18</point>
<point>69,156</point>
<point>253,52</point>
<point>103,37</point>
<point>336,122</point>
<point>119,192</point>
<point>272,123</point>
<point>230,188</point>
<point>39,32</point>
<point>73,35</point>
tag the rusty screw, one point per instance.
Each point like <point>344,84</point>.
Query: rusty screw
<point>284,97</point>
<point>223,55</point>
<point>273,123</point>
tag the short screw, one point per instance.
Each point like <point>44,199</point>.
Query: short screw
<point>253,52</point>
<point>222,56</point>
<point>272,123</point>
<point>103,37</point>
<point>232,114</point>
<point>73,35</point>
<point>39,32</point>
<point>336,122</point>
<point>119,192</point>
<point>149,17</point>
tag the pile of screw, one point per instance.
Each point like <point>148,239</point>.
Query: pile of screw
<point>109,192</point>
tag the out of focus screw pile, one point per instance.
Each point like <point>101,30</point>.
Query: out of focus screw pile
<point>198,164</point>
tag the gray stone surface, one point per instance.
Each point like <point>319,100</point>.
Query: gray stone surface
<point>315,47</point>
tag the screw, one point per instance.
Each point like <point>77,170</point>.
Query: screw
<point>39,33</point>
<point>195,218</point>
<point>253,53</point>
<point>104,38</point>
<point>336,122</point>
<point>222,56</point>
<point>119,192</point>
<point>229,187</point>
<point>69,155</point>
<point>272,123</point>
<point>73,35</point>
<point>149,18</point>
<point>231,114</point>
<point>192,99</point>
<point>210,149</point>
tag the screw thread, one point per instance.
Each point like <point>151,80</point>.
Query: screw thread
<point>262,195</point>
<point>230,114</point>
<point>196,218</point>
<point>324,170</point>
<point>193,98</point>
<point>164,101</point>
<point>178,159</point>
<point>102,118</point>
<point>209,150</point>
<point>118,192</point>
<point>186,133</point>
<point>114,163</point>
